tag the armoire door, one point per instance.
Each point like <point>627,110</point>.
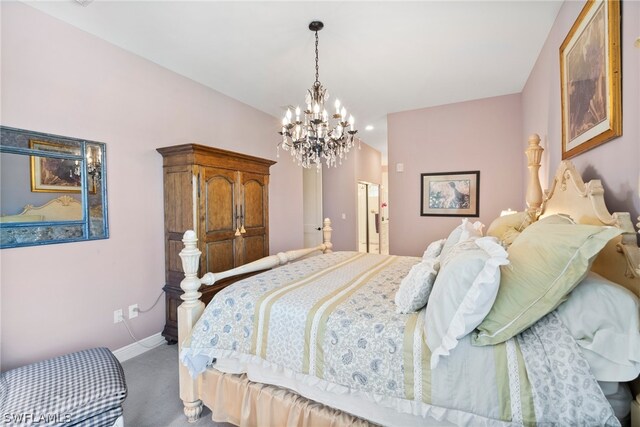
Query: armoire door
<point>220,207</point>
<point>255,204</point>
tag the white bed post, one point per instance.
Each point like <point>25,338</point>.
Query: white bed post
<point>188,313</point>
<point>534,189</point>
<point>191,309</point>
<point>326,235</point>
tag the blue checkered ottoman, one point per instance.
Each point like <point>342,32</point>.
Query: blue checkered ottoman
<point>86,388</point>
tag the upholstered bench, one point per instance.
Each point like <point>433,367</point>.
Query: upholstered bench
<point>86,388</point>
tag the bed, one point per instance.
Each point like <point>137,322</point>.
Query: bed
<point>318,341</point>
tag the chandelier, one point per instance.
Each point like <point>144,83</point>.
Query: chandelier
<point>94,166</point>
<point>311,137</point>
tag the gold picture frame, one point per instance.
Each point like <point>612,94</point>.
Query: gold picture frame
<point>590,82</point>
<point>53,175</point>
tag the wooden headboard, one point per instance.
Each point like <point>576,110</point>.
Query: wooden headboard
<point>568,194</point>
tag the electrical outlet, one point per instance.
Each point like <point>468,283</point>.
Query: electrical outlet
<point>133,311</point>
<point>118,316</point>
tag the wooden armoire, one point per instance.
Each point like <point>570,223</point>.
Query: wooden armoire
<point>224,197</point>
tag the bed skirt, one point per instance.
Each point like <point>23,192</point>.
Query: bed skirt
<point>235,399</point>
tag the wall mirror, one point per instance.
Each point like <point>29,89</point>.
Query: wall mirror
<point>52,189</point>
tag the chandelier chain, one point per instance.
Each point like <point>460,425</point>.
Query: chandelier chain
<point>317,66</point>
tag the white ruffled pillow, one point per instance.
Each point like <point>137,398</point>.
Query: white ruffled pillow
<point>415,288</point>
<point>463,293</point>
<point>464,231</point>
<point>602,316</point>
<point>434,249</point>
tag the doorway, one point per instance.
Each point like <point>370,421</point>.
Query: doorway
<point>312,206</point>
<point>368,217</point>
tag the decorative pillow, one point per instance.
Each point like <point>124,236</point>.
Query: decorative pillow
<point>463,294</point>
<point>503,224</point>
<point>547,262</point>
<point>609,334</point>
<point>509,236</point>
<point>463,232</point>
<point>415,288</point>
<point>434,249</point>
<point>556,219</point>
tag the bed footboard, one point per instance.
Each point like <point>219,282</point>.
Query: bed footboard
<point>188,313</point>
<point>191,308</point>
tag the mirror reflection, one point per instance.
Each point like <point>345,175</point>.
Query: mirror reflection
<point>52,189</point>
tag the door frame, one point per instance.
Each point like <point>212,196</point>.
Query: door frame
<point>367,226</point>
<point>313,198</point>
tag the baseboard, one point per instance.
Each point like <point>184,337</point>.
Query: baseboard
<point>137,348</point>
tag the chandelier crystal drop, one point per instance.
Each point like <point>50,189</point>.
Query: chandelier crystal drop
<point>313,136</point>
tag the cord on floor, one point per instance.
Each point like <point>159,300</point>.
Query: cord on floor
<point>136,340</point>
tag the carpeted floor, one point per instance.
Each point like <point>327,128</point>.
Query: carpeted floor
<point>153,399</point>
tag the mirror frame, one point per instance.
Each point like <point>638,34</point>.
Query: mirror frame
<point>85,222</point>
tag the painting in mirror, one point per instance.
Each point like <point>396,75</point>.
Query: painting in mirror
<point>52,189</point>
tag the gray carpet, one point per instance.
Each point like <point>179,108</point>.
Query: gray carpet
<point>153,399</point>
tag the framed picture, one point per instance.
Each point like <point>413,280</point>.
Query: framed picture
<point>53,175</point>
<point>590,78</point>
<point>450,194</point>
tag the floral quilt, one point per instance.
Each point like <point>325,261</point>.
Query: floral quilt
<point>333,317</point>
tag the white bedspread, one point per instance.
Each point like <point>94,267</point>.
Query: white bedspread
<point>330,322</point>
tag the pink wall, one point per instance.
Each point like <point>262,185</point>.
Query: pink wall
<point>615,162</point>
<point>483,135</point>
<point>58,79</point>
<point>339,194</point>
<point>368,164</point>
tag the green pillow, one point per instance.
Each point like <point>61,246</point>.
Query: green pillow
<point>501,224</point>
<point>547,261</point>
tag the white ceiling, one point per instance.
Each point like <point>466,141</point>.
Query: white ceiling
<point>376,57</point>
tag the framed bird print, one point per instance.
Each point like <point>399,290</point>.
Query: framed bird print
<point>450,194</point>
